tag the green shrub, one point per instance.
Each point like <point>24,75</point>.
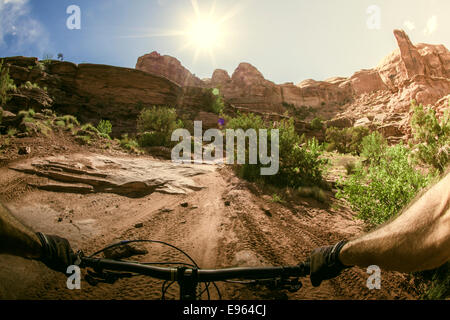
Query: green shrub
<point>129,144</point>
<point>346,140</point>
<point>6,84</point>
<point>381,190</point>
<point>104,127</point>
<point>159,123</point>
<point>277,199</point>
<point>316,124</point>
<point>373,147</point>
<point>30,86</point>
<point>69,119</point>
<point>84,140</point>
<point>60,123</point>
<point>431,135</point>
<point>298,165</point>
<point>88,127</point>
<point>12,132</point>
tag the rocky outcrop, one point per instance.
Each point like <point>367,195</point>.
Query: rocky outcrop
<point>249,89</point>
<point>220,77</point>
<point>81,173</point>
<point>168,67</point>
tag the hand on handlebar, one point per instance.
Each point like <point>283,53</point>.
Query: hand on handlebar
<point>325,264</point>
<point>56,252</point>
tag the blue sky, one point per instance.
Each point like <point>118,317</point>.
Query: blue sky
<point>287,40</point>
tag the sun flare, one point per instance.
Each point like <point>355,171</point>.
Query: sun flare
<point>205,34</point>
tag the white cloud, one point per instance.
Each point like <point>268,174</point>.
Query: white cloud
<point>18,31</point>
<point>409,25</point>
<point>431,25</point>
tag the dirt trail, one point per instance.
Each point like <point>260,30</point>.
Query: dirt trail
<point>227,223</point>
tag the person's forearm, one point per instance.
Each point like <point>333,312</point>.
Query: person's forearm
<point>16,239</point>
<point>419,239</point>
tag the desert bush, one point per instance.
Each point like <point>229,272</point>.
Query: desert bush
<point>60,123</point>
<point>6,84</point>
<point>156,125</point>
<point>70,120</point>
<point>30,86</point>
<point>88,127</point>
<point>104,127</point>
<point>27,115</point>
<point>277,199</point>
<point>379,191</point>
<point>299,165</point>
<point>129,144</point>
<point>346,140</point>
<point>84,140</point>
<point>12,132</point>
<point>373,147</point>
<point>432,137</point>
<point>316,124</point>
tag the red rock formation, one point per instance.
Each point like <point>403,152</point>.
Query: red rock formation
<point>168,67</point>
<point>94,92</point>
<point>382,94</point>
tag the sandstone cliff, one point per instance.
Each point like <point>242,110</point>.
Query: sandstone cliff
<point>94,92</point>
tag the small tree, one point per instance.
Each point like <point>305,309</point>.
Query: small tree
<point>60,57</point>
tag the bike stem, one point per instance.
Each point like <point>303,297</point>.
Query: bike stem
<point>188,282</point>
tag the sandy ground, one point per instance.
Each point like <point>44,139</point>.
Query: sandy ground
<point>225,224</point>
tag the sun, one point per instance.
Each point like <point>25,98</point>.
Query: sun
<point>205,34</point>
<point>206,31</point>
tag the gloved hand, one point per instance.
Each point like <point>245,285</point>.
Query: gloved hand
<point>56,252</point>
<point>325,264</point>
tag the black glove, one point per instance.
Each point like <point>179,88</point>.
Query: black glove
<point>56,252</point>
<point>325,264</point>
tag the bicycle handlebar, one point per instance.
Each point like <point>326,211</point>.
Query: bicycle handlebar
<point>202,275</point>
